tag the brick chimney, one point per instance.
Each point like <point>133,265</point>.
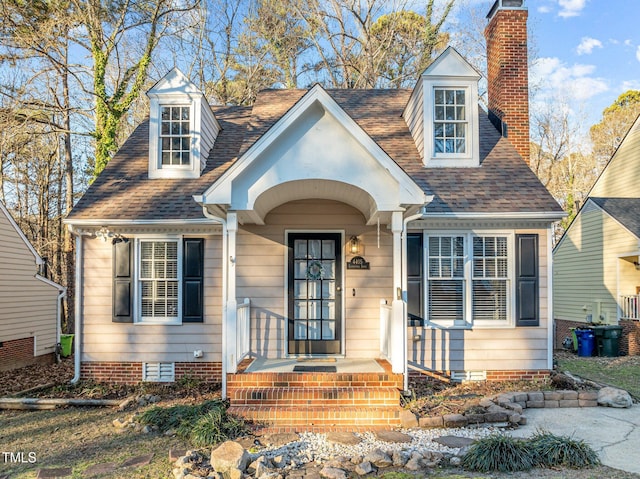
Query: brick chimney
<point>508,73</point>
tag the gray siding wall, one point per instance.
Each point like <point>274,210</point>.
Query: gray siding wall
<point>103,340</point>
<point>27,304</point>
<point>261,267</point>
<point>485,348</point>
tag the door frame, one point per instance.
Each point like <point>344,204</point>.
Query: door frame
<point>285,287</point>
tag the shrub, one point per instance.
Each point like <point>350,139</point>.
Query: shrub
<point>498,453</point>
<point>203,424</point>
<point>552,450</point>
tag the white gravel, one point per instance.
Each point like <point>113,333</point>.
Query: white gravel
<point>314,447</point>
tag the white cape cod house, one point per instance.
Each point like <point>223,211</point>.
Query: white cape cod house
<point>310,250</point>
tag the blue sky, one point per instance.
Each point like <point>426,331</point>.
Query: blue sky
<point>588,51</point>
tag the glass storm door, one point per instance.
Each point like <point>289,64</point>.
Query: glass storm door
<point>315,293</point>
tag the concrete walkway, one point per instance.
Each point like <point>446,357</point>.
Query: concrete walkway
<point>613,433</point>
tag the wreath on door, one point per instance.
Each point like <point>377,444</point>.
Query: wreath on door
<point>315,270</point>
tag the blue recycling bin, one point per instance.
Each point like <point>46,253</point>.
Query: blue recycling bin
<point>586,342</point>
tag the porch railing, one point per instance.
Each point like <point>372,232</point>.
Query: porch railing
<point>385,329</point>
<point>243,328</point>
<point>629,305</point>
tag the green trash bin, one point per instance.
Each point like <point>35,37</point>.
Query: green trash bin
<point>66,341</point>
<point>608,339</point>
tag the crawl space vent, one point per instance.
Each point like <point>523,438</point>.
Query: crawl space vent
<point>469,375</point>
<point>158,372</point>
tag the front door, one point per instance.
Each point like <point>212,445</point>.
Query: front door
<point>315,293</point>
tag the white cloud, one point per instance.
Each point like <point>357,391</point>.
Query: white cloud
<point>587,45</point>
<point>544,9</point>
<point>628,43</point>
<point>575,82</point>
<point>571,8</point>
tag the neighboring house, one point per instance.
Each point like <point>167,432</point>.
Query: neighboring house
<point>597,261</point>
<point>29,303</point>
<point>336,214</point>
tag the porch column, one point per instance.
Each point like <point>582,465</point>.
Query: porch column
<point>232,303</point>
<point>398,308</point>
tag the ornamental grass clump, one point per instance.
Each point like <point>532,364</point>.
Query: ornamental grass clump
<point>499,453</point>
<point>202,424</point>
<point>552,450</point>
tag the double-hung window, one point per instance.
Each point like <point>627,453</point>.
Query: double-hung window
<point>469,279</point>
<point>159,281</point>
<point>175,136</point>
<point>450,121</point>
<point>490,278</point>
<point>446,278</point>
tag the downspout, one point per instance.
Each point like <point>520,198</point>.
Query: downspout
<point>223,222</point>
<point>405,280</point>
<point>78,306</point>
<point>61,296</point>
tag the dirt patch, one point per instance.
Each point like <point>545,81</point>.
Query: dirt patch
<point>28,377</point>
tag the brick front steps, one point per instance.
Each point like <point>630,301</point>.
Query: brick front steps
<point>316,399</point>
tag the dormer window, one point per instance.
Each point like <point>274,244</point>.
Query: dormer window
<point>182,128</point>
<point>450,121</point>
<point>175,136</point>
<point>442,113</point>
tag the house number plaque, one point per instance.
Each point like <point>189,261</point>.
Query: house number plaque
<point>358,262</point>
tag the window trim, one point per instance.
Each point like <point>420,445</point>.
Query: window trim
<point>468,321</point>
<point>137,291</point>
<point>471,157</point>
<point>156,168</point>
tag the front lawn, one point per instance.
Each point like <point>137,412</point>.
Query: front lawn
<point>622,372</point>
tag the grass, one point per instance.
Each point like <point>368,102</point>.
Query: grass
<point>623,372</point>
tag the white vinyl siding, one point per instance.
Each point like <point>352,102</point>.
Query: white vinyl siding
<point>414,117</point>
<point>27,304</point>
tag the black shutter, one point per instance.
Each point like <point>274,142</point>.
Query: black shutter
<point>415,308</point>
<point>122,282</point>
<point>192,280</point>
<point>527,281</point>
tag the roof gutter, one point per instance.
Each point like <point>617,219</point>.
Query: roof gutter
<point>526,215</point>
<point>121,222</point>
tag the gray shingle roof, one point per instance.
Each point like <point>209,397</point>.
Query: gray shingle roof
<point>502,184</point>
<point>624,210</point>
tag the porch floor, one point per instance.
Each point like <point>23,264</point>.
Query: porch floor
<point>343,365</point>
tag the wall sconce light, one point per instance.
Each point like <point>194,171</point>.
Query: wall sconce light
<point>104,234</point>
<point>354,245</point>
<point>637,265</point>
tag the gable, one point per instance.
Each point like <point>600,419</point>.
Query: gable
<point>11,233</point>
<point>451,64</point>
<point>621,176</point>
<point>315,141</point>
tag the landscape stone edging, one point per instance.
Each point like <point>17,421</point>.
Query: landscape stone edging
<point>508,407</point>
